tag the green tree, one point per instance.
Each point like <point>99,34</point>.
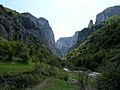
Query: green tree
<point>110,78</point>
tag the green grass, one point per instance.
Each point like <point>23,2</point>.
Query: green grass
<point>73,76</point>
<point>92,83</point>
<point>8,68</point>
<point>55,84</point>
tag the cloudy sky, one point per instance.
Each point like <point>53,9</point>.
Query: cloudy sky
<point>65,16</point>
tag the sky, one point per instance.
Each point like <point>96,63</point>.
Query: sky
<point>64,16</point>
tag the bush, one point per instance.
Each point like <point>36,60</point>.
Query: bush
<point>110,79</point>
<point>11,51</point>
<point>17,60</point>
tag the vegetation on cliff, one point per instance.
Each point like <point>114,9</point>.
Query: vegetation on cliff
<point>100,48</point>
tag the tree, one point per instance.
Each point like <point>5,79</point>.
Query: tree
<point>110,79</point>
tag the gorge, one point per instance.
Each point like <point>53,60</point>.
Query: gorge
<point>30,57</point>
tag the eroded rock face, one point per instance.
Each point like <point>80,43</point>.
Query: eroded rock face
<point>48,32</point>
<point>3,32</point>
<point>82,36</point>
<point>90,24</point>
<point>104,15</point>
<point>44,32</point>
<point>24,27</point>
<point>64,44</point>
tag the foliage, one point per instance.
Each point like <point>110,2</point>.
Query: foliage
<point>110,78</point>
<point>58,84</point>
<point>101,52</point>
<point>13,51</point>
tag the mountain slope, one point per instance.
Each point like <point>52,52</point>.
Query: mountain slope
<point>15,26</point>
<point>28,58</point>
<point>101,46</point>
<point>104,15</point>
<point>83,34</point>
<point>45,32</point>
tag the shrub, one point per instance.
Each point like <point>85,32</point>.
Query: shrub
<point>110,79</point>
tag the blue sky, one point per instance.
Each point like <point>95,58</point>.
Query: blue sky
<point>65,16</point>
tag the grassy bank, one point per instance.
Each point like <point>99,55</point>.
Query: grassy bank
<point>55,84</point>
<point>8,68</point>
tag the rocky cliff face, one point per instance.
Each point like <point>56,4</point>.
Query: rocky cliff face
<point>104,15</point>
<point>48,32</point>
<point>107,13</point>
<point>64,44</point>
<point>82,36</point>
<point>68,44</point>
<point>16,26</point>
<point>45,32</point>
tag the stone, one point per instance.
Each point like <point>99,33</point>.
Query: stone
<point>90,24</point>
<point>104,15</point>
<point>64,44</point>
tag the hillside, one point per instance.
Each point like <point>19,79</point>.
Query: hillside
<point>102,45</point>
<point>25,58</point>
<point>16,29</point>
<point>81,35</point>
<point>100,52</point>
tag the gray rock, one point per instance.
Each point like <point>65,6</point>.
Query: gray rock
<point>82,36</point>
<point>48,32</point>
<point>3,32</point>
<point>90,24</point>
<point>44,33</point>
<point>104,15</point>
<point>26,28</point>
<point>33,18</point>
<point>64,44</point>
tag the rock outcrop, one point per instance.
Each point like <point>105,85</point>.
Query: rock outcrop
<point>64,44</point>
<point>69,43</point>
<point>104,15</point>
<point>90,24</point>
<point>82,36</point>
<point>45,32</point>
<point>16,26</point>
